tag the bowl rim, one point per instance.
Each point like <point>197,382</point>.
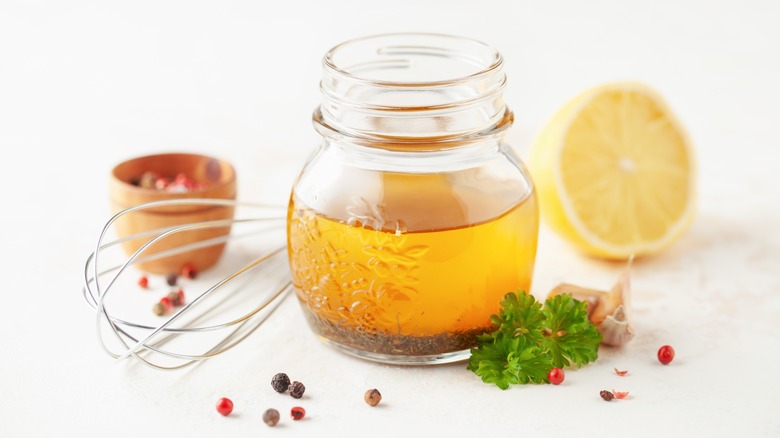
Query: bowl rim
<point>161,194</point>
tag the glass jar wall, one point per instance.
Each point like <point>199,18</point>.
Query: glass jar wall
<point>413,217</point>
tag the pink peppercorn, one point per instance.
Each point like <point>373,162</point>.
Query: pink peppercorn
<point>189,271</point>
<point>224,406</point>
<point>166,302</point>
<point>297,413</point>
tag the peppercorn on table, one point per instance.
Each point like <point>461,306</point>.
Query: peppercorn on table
<point>85,86</point>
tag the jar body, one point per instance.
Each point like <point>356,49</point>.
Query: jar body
<point>408,266</point>
<point>401,247</point>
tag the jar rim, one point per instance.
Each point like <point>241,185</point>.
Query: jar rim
<point>494,59</point>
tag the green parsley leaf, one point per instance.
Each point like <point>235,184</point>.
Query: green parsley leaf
<point>520,314</point>
<point>570,336</point>
<point>510,360</point>
<point>530,340</point>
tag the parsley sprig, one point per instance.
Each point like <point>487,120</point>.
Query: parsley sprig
<point>531,340</point>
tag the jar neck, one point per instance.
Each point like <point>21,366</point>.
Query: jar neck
<point>412,91</point>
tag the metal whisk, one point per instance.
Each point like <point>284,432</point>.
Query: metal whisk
<point>213,321</point>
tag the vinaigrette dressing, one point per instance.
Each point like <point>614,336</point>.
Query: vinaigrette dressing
<point>411,275</point>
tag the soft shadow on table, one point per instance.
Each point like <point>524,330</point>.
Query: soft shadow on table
<point>726,248</point>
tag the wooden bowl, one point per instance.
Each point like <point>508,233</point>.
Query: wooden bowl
<point>220,179</point>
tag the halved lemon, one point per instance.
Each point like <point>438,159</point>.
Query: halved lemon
<point>615,172</point>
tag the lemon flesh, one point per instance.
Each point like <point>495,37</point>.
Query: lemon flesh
<point>615,172</point>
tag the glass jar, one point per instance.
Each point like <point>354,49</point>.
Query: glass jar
<point>413,218</point>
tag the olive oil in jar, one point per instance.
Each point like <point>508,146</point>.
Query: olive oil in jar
<point>416,271</point>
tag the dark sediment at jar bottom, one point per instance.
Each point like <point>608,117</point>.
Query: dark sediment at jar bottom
<point>384,343</point>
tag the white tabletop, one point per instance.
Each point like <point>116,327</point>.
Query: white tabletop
<point>84,85</point>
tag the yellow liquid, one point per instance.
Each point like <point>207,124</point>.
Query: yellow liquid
<point>411,265</point>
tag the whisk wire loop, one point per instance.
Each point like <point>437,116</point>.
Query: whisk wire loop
<point>149,342</point>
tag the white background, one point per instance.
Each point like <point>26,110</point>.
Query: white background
<point>84,85</point>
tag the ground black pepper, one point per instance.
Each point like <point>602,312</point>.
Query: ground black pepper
<point>280,382</point>
<point>396,344</point>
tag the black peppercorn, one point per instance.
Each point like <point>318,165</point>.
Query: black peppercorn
<point>280,382</point>
<point>606,395</point>
<point>171,278</point>
<point>271,417</point>
<point>297,389</point>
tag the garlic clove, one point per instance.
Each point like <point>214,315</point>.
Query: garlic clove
<point>610,311</point>
<point>620,294</point>
<point>616,330</point>
<point>594,298</point>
